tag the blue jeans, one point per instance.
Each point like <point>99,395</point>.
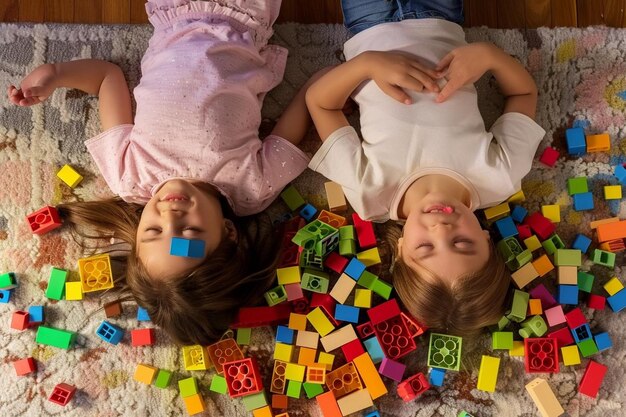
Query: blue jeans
<point>359,15</point>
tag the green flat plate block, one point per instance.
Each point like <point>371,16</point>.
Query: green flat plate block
<point>7,281</point>
<point>56,284</point>
<point>444,351</point>
<point>163,378</point>
<point>188,387</point>
<point>519,307</point>
<point>218,384</point>
<point>312,390</point>
<point>243,336</point>
<point>603,258</point>
<point>577,185</point>
<point>50,336</point>
<point>585,281</point>
<point>568,257</point>
<point>587,347</point>
<point>382,288</point>
<point>254,401</point>
<point>502,340</point>
<point>294,388</point>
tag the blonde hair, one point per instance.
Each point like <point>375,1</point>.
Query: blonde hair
<point>474,301</point>
<point>195,308</point>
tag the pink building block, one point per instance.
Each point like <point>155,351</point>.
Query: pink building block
<point>555,316</point>
<point>392,369</point>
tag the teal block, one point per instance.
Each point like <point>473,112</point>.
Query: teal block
<point>312,390</point>
<point>218,384</point>
<point>163,378</point>
<point>188,387</point>
<point>585,281</point>
<point>56,284</point>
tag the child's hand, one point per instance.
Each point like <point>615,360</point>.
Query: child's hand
<point>35,88</point>
<point>464,65</point>
<point>394,71</point>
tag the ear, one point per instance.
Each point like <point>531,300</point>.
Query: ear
<point>230,229</point>
<point>486,232</point>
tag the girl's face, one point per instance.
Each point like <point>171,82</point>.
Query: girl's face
<point>180,209</point>
<point>445,237</point>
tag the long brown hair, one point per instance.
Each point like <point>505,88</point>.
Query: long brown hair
<point>476,300</point>
<point>193,309</point>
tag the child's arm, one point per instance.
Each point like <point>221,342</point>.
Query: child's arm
<point>468,63</point>
<point>92,76</point>
<point>392,72</point>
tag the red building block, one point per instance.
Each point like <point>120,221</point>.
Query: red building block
<point>524,231</point>
<point>44,220</point>
<point>249,317</point>
<point>300,305</point>
<point>575,318</point>
<point>596,302</point>
<point>415,328</point>
<point>62,393</point>
<point>364,231</point>
<point>25,366</point>
<point>542,227</point>
<point>242,377</point>
<point>384,311</point>
<point>365,330</point>
<point>352,349</point>
<point>562,336</point>
<point>541,355</point>
<point>142,337</point>
<point>412,387</point>
<point>280,401</point>
<point>19,320</point>
<point>592,379</point>
<point>394,338</point>
<point>224,351</point>
<point>549,156</point>
<point>326,303</point>
<point>336,262</point>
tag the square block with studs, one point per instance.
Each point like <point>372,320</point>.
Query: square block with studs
<point>95,273</point>
<point>444,351</point>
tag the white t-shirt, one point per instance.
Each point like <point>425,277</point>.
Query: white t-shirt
<point>402,143</point>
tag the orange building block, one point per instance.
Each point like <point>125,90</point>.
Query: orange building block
<point>278,377</point>
<point>145,373</point>
<point>328,405</point>
<point>343,380</point>
<point>194,404</point>
<point>598,143</point>
<point>316,374</point>
<point>594,224</point>
<point>263,412</point>
<point>306,356</point>
<point>280,401</point>
<point>611,231</point>
<point>332,219</point>
<point>370,376</point>
<point>543,265</point>
<point>226,350</point>
<point>534,307</point>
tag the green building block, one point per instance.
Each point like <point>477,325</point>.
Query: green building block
<point>519,306</point>
<point>464,414</point>
<point>568,257</point>
<point>577,185</point>
<point>163,379</point>
<point>312,390</point>
<point>327,244</point>
<point>56,284</point>
<point>305,239</point>
<point>382,288</point>
<point>553,243</point>
<point>502,340</point>
<point>585,281</point>
<point>218,384</point>
<point>50,336</point>
<point>603,258</point>
<point>533,327</point>
<point>275,296</point>
<point>316,281</point>
<point>292,198</point>
<point>520,260</point>
<point>367,280</point>
<point>294,388</point>
<point>500,325</point>
<point>243,336</point>
<point>308,259</point>
<point>347,232</point>
<point>587,347</point>
<point>347,247</point>
<point>444,351</point>
<point>188,387</point>
<point>254,401</point>
<point>7,281</point>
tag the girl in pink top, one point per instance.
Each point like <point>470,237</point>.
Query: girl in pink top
<point>191,162</point>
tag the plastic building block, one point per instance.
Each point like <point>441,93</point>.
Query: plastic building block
<point>347,313</point>
<point>568,257</point>
<point>364,231</point>
<point>336,262</point>
<point>603,341</point>
<point>315,281</point>
<point>243,377</point>
<point>275,296</point>
<point>552,212</point>
<point>534,307</point>
<point>519,213</point>
<point>73,291</point>
<point>307,339</point>
<point>541,292</point>
<point>549,156</point>
<point>142,337</point>
<point>297,321</point>
<point>362,298</point>
<point>50,336</point>
<point>243,336</point>
<point>370,376</point>
<point>600,257</point>
<point>369,257</point>
<point>280,401</point>
<point>352,349</point>
<point>517,198</point>
<point>342,288</point>
<point>596,302</point>
<point>506,227</point>
<point>8,281</point>
<point>367,280</point>
<point>525,275</point>
<point>56,284</point>
<point>613,286</point>
<point>555,316</point>
<point>293,389</point>
<point>62,394</point>
<point>577,185</point>
<point>372,345</point>
<point>587,347</point>
<point>24,366</point>
<point>35,315</point>
<point>436,376</point>
<point>316,374</point>
<point>392,369</point>
<point>332,219</point>
<point>311,390</point>
<point>598,143</point>
<point>142,314</point>
<point>224,351</point>
<point>534,326</point>
<point>567,294</point>
<point>306,356</point>
<point>568,275</point>
<point>575,138</point>
<point>326,359</point>
<point>570,355</point>
<point>523,231</point>
<point>412,387</point>
<point>163,379</point>
<point>543,265</point>
<point>592,379</point>
<point>338,338</point>
<point>355,401</point>
<point>620,173</point>
<point>292,198</point>
<point>218,384</point>
<point>5,296</point>
<point>611,231</point>
<point>575,318</point>
<point>294,292</point>
<point>415,328</point>
<point>383,311</point>
<point>69,176</point>
<point>497,212</point>
<point>488,373</point>
<point>562,336</point>
<point>188,387</point>
<point>110,333</point>
<point>194,404</point>
<point>44,220</point>
<point>617,302</point>
<point>444,351</point>
<point>290,275</point>
<point>519,306</point>
<point>544,398</point>
<point>354,269</point>
<point>584,281</point>
<point>502,340</point>
<point>616,245</point>
<point>188,248</point>
<point>335,197</point>
<point>284,335</point>
<point>19,320</point>
<point>395,338</point>
<point>583,201</point>
<point>308,212</point>
<point>250,317</point>
<point>581,333</point>
<point>308,259</point>
<point>283,352</point>
<point>382,288</point>
<point>295,372</point>
<point>277,385</point>
<point>581,242</point>
<point>542,227</point>
<point>327,404</point>
<point>145,373</point>
<point>541,355</point>
<point>612,192</point>
<point>517,349</point>
<point>343,380</point>
<point>95,273</point>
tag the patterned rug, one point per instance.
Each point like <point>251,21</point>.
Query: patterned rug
<point>581,75</point>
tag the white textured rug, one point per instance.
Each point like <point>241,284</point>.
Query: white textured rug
<point>581,74</point>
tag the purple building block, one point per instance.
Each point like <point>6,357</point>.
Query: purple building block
<point>392,369</point>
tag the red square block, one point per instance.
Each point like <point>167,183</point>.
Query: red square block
<point>549,156</point>
<point>384,311</point>
<point>541,355</point>
<point>394,338</point>
<point>44,220</point>
<point>524,231</point>
<point>243,377</point>
<point>142,337</point>
<point>542,226</point>
<point>19,320</point>
<point>562,336</point>
<point>596,302</point>
<point>25,366</point>
<point>62,393</point>
<point>412,387</point>
<point>336,262</point>
<point>352,349</point>
<point>575,318</point>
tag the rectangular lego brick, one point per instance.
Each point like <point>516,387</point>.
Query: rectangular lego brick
<point>50,336</point>
<point>295,372</point>
<point>283,352</point>
<point>392,369</point>
<point>335,197</point>
<point>598,143</point>
<point>163,379</point>
<point>384,311</point>
<point>604,258</point>
<point>497,212</point>
<point>62,393</point>
<point>145,373</point>
<point>543,265</point>
<point>7,281</point>
<point>364,231</point>
<point>355,401</point>
<point>541,292</point>
<point>517,349</point>
<point>552,212</point>
<point>263,412</point>
<point>320,321</point>
<point>544,398</point>
<point>312,389</point>
<point>44,220</point>
<point>56,284</point>
<point>488,373</point>
<point>570,355</point>
<point>338,338</point>
<point>525,275</point>
<point>316,374</point>
<point>519,306</point>
<point>382,288</point>
<point>612,192</point>
<point>328,405</point>
<point>584,281</point>
<point>517,198</point>
<point>568,257</point>
<point>369,257</point>
<point>289,275</point>
<point>24,366</point>
<point>502,340</point>
<point>326,359</point>
<point>534,307</point>
<point>342,288</point>
<point>143,337</point>
<point>617,302</point>
<point>293,389</point>
<point>592,379</point>
<point>307,339</point>
<point>280,401</point>
<point>347,313</point>
<point>352,349</point>
<point>35,314</point>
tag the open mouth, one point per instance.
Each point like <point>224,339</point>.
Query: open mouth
<point>439,208</point>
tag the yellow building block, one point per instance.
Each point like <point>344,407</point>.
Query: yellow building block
<point>369,257</point>
<point>568,275</point>
<point>362,298</point>
<point>570,355</point>
<point>73,290</point>
<point>194,404</point>
<point>534,307</point>
<point>68,175</point>
<point>282,415</point>
<point>370,376</point>
<point>283,352</point>
<point>612,192</point>
<point>613,286</point>
<point>517,198</point>
<point>196,358</point>
<point>497,212</point>
<point>532,243</point>
<point>306,356</point>
<point>326,359</point>
<point>95,273</point>
<point>145,373</point>
<point>288,275</point>
<point>488,373</point>
<point>295,372</point>
<point>320,322</point>
<point>518,348</point>
<point>297,321</point>
<point>598,143</point>
<point>552,212</point>
<point>544,398</point>
<point>543,265</point>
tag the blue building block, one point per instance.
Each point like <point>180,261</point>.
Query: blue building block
<point>576,143</point>
<point>284,335</point>
<point>583,201</point>
<point>142,314</point>
<point>35,314</point>
<point>582,243</point>
<point>354,269</point>
<point>308,212</point>
<point>372,345</point>
<point>567,294</point>
<point>519,213</point>
<point>581,333</point>
<point>435,376</point>
<point>506,227</point>
<point>618,300</point>
<point>603,341</point>
<point>373,414</point>
<point>5,296</point>
<point>110,333</point>
<point>347,313</point>
<point>620,173</point>
<point>189,248</point>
